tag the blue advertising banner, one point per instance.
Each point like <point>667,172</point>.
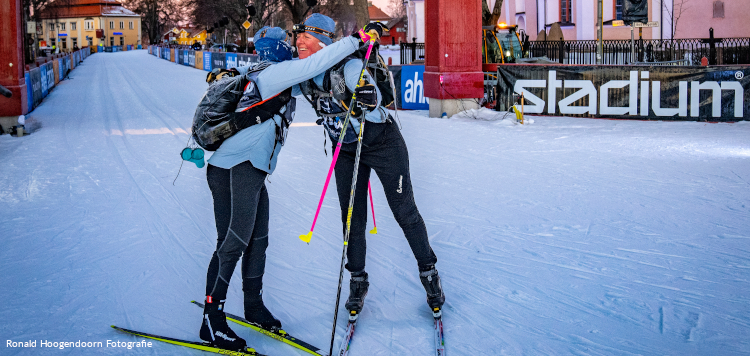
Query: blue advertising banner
<point>61,69</point>
<point>180,54</point>
<point>412,88</point>
<point>231,60</point>
<point>244,60</point>
<point>29,91</point>
<point>207,61</point>
<point>50,76</point>
<point>45,88</point>
<point>191,58</point>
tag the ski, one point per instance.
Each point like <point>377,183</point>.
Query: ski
<point>344,349</point>
<point>279,335</point>
<point>203,346</point>
<point>437,314</point>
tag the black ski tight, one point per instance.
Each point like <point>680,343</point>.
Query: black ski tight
<point>241,211</point>
<point>383,151</point>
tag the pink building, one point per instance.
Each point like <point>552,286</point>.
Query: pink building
<point>578,18</point>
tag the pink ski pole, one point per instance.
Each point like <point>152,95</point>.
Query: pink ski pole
<point>307,237</point>
<point>372,207</point>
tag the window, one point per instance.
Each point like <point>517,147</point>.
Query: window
<point>91,42</point>
<point>62,26</point>
<point>566,9</point>
<point>131,25</point>
<point>112,25</point>
<point>618,9</point>
<point>718,9</point>
<point>112,41</point>
<point>72,26</point>
<point>122,25</point>
<point>51,26</point>
<point>74,41</point>
<point>88,24</point>
<point>64,43</point>
<point>122,41</point>
<point>52,42</point>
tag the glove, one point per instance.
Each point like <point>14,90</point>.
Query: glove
<point>366,96</point>
<point>218,73</point>
<point>378,27</point>
<point>365,36</point>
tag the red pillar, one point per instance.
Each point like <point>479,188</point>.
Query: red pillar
<point>11,59</point>
<point>453,46</point>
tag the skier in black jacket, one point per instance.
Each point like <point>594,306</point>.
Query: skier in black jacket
<point>383,150</point>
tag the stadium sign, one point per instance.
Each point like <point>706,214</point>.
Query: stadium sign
<point>629,92</point>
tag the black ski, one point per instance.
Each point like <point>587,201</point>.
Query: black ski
<point>279,335</point>
<point>204,346</point>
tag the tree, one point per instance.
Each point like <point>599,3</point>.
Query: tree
<point>396,9</point>
<point>490,18</point>
<point>156,15</point>
<point>349,15</point>
<point>674,14</point>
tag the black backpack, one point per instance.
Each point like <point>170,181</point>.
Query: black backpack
<point>217,117</point>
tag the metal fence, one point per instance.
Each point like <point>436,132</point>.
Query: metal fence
<point>691,51</point>
<point>686,51</point>
<point>411,52</point>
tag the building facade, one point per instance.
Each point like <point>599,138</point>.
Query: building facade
<point>76,25</point>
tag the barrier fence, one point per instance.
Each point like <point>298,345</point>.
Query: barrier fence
<point>41,80</point>
<point>690,51</point>
<point>204,60</point>
<point>714,93</point>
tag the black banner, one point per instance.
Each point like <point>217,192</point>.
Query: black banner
<point>719,93</point>
<point>635,11</point>
<point>247,59</point>
<point>180,56</point>
<point>218,60</point>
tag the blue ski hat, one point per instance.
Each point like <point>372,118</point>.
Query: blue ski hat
<point>320,22</point>
<point>271,32</point>
<point>271,45</point>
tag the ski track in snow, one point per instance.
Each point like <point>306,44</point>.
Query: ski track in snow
<point>565,236</point>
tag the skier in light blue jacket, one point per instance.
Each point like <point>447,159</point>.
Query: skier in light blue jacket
<point>236,173</point>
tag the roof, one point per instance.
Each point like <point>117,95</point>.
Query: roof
<point>396,21</point>
<point>376,14</point>
<point>85,8</point>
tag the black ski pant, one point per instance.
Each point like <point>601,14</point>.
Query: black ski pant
<point>384,151</point>
<point>241,212</point>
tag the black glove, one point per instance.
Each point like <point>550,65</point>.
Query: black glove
<point>366,96</point>
<point>218,73</point>
<point>377,26</point>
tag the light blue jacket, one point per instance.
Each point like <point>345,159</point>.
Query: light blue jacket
<point>352,69</point>
<point>257,143</point>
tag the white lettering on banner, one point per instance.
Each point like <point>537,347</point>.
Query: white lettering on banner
<point>414,87</point>
<point>538,103</point>
<point>587,88</point>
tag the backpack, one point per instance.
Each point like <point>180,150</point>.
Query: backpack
<point>232,104</point>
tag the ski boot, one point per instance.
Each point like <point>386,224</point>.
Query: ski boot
<point>257,314</point>
<point>215,330</point>
<point>431,283</point>
<point>358,286</point>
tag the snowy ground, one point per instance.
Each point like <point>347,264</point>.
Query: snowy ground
<point>565,236</point>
